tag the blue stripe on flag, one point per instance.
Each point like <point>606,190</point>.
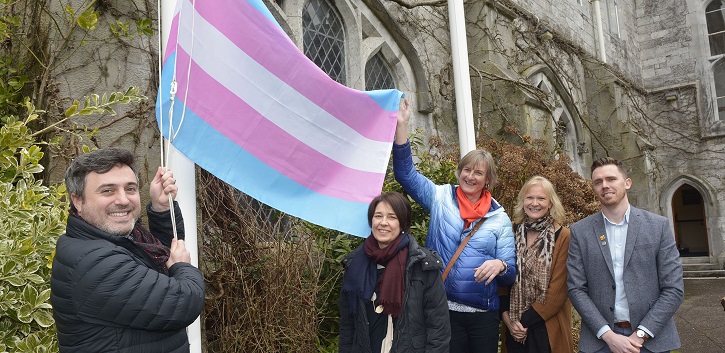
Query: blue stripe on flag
<point>382,97</point>
<point>259,5</point>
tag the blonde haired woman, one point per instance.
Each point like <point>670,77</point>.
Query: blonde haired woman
<point>537,312</point>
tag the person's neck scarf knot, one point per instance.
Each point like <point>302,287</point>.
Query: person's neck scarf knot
<point>361,277</point>
<point>473,211</point>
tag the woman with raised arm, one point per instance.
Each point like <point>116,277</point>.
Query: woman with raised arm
<point>471,232</point>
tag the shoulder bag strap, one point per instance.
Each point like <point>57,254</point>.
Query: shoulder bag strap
<point>460,249</point>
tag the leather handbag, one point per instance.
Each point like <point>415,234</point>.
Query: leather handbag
<point>460,248</point>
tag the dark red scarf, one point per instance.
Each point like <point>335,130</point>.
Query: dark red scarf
<point>361,277</point>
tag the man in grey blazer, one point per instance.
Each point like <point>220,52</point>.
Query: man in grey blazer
<point>625,274</point>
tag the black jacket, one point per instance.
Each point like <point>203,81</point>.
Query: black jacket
<point>107,295</point>
<point>423,325</point>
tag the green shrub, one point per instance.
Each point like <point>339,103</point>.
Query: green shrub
<point>32,216</point>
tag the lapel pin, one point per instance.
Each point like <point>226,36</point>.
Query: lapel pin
<point>603,239</point>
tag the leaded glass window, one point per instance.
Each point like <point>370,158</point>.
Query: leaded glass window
<point>715,18</point>
<point>378,74</point>
<point>613,11</point>
<point>719,73</point>
<point>323,38</point>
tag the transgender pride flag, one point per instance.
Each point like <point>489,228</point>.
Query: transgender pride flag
<point>254,111</point>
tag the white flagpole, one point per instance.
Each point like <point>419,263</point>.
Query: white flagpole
<point>184,172</point>
<point>461,76</point>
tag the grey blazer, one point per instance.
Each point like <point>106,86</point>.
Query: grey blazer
<point>652,279</point>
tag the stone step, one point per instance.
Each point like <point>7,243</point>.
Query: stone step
<point>695,259</point>
<point>704,273</point>
<point>701,267</point>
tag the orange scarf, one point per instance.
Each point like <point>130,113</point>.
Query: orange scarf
<point>473,211</point>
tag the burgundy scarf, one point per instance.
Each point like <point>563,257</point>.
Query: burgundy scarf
<point>158,252</point>
<point>361,276</point>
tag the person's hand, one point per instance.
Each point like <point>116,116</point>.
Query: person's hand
<point>179,253</point>
<point>488,270</point>
<point>517,331</point>
<point>404,112</point>
<point>636,341</point>
<point>620,343</point>
<point>162,185</point>
<point>401,128</point>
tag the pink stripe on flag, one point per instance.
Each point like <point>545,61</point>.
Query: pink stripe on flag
<point>246,127</point>
<point>268,45</point>
<point>173,37</point>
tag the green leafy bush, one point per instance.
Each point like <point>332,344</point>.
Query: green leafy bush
<point>32,216</point>
<point>37,42</point>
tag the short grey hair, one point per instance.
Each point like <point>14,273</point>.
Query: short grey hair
<point>476,157</point>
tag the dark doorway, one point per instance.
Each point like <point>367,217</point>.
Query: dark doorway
<point>688,209</point>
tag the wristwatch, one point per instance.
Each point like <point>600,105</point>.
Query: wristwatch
<point>643,335</point>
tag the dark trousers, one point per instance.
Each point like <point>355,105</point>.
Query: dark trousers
<point>626,331</point>
<point>537,340</point>
<point>474,332</point>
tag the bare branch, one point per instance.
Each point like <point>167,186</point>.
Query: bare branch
<point>410,4</point>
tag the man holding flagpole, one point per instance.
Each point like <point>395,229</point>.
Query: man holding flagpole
<point>115,286</point>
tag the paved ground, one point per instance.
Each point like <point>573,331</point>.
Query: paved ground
<point>701,319</point>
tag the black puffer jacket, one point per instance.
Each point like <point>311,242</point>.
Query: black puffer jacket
<point>423,325</point>
<point>108,297</point>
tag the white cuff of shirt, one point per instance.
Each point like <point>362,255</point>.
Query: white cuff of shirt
<point>646,330</point>
<point>603,330</point>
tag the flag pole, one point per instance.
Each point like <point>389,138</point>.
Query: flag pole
<point>461,76</point>
<point>185,175</point>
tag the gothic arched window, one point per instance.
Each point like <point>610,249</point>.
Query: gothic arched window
<point>563,129</point>
<point>715,18</point>
<point>377,74</point>
<point>323,38</point>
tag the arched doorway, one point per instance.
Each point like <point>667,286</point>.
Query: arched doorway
<point>688,211</point>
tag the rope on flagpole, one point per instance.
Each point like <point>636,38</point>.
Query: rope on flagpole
<point>188,69</point>
<point>166,150</point>
<point>164,161</point>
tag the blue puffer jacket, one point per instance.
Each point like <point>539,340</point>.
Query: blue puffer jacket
<point>494,240</point>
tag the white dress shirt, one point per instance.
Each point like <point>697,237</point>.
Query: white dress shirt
<point>616,239</point>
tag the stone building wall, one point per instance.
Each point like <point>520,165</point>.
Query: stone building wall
<point>623,107</point>
<point>651,104</point>
<point>100,63</point>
